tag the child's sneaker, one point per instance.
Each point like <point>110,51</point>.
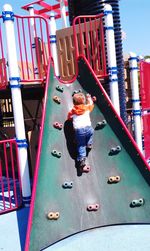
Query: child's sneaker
<point>88,149</point>
<point>82,163</point>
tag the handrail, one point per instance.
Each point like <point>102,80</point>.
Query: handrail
<point>38,158</point>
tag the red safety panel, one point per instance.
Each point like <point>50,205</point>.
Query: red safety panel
<point>145,104</point>
<point>146,132</point>
<point>145,85</point>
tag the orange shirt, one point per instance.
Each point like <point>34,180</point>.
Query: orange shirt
<point>81,114</point>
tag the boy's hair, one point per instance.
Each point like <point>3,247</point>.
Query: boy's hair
<point>79,99</point>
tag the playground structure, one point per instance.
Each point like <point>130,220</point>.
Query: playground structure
<point>63,203</point>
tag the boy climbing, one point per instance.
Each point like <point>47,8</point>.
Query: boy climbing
<point>80,115</point>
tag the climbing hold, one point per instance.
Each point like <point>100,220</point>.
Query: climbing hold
<point>67,184</point>
<point>58,125</point>
<point>75,92</point>
<point>137,203</point>
<point>115,150</point>
<point>118,148</point>
<point>59,88</point>
<point>53,215</point>
<point>113,179</point>
<point>57,99</point>
<point>93,207</point>
<point>101,124</point>
<point>57,154</point>
<point>86,169</point>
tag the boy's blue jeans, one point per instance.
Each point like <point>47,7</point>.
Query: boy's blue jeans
<point>84,138</point>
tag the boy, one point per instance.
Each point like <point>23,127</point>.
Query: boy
<point>80,114</point>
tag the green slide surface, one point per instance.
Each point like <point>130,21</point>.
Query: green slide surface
<point>69,204</point>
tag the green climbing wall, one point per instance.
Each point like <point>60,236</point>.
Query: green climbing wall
<point>69,204</point>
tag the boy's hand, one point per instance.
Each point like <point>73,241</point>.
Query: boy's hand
<point>88,96</point>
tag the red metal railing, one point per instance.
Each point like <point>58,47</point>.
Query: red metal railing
<point>10,184</point>
<point>89,42</point>
<point>43,8</point>
<point>33,49</point>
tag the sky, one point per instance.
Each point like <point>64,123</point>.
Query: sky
<point>135,20</point>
